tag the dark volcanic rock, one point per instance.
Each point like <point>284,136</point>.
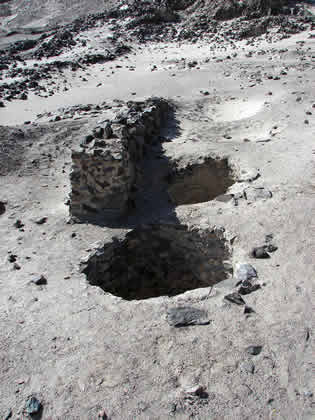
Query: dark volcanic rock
<point>24,45</point>
<point>248,310</point>
<point>260,252</point>
<point>18,224</point>
<point>235,298</point>
<point>41,221</point>
<point>2,207</point>
<point>10,412</point>
<point>12,258</point>
<point>56,45</point>
<point>248,288</point>
<point>39,280</point>
<point>271,248</point>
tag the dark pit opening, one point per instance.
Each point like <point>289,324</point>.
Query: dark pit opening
<point>159,260</point>
<point>202,182</point>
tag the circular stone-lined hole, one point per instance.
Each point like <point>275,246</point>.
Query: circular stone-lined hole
<point>159,260</point>
<point>201,182</point>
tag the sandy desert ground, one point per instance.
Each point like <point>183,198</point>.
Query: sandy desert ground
<point>84,353</point>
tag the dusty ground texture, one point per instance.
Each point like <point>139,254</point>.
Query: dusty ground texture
<point>87,354</point>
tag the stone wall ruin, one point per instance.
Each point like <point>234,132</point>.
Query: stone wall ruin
<point>107,163</point>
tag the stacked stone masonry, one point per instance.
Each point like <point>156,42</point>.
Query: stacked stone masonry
<point>107,164</point>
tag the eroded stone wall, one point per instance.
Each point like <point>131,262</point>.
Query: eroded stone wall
<point>107,164</point>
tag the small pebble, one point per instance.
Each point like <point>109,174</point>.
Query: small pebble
<point>41,221</point>
<point>260,252</point>
<point>254,350</point>
<point>40,280</point>
<point>18,224</point>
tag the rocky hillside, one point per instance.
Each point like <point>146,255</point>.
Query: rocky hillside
<point>39,14</point>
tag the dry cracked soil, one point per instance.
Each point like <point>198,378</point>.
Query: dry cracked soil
<point>197,301</point>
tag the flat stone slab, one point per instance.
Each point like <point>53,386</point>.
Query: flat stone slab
<point>186,316</point>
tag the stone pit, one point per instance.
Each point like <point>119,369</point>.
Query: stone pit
<point>159,260</point>
<point>201,182</point>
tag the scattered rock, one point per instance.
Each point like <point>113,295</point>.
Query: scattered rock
<point>308,394</point>
<point>248,176</point>
<point>247,366</point>
<point>18,224</point>
<point>41,221</point>
<point>102,415</point>
<point>235,298</point>
<point>2,207</point>
<point>196,390</point>
<point>33,406</point>
<point>108,130</point>
<point>253,194</point>
<point>186,316</point>
<point>269,238</point>
<point>8,415</point>
<point>271,248</point>
<point>248,288</point>
<point>260,252</point>
<point>245,272</point>
<point>254,350</point>
<point>12,258</point>
<point>23,96</point>
<point>40,280</point>
<point>248,310</point>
